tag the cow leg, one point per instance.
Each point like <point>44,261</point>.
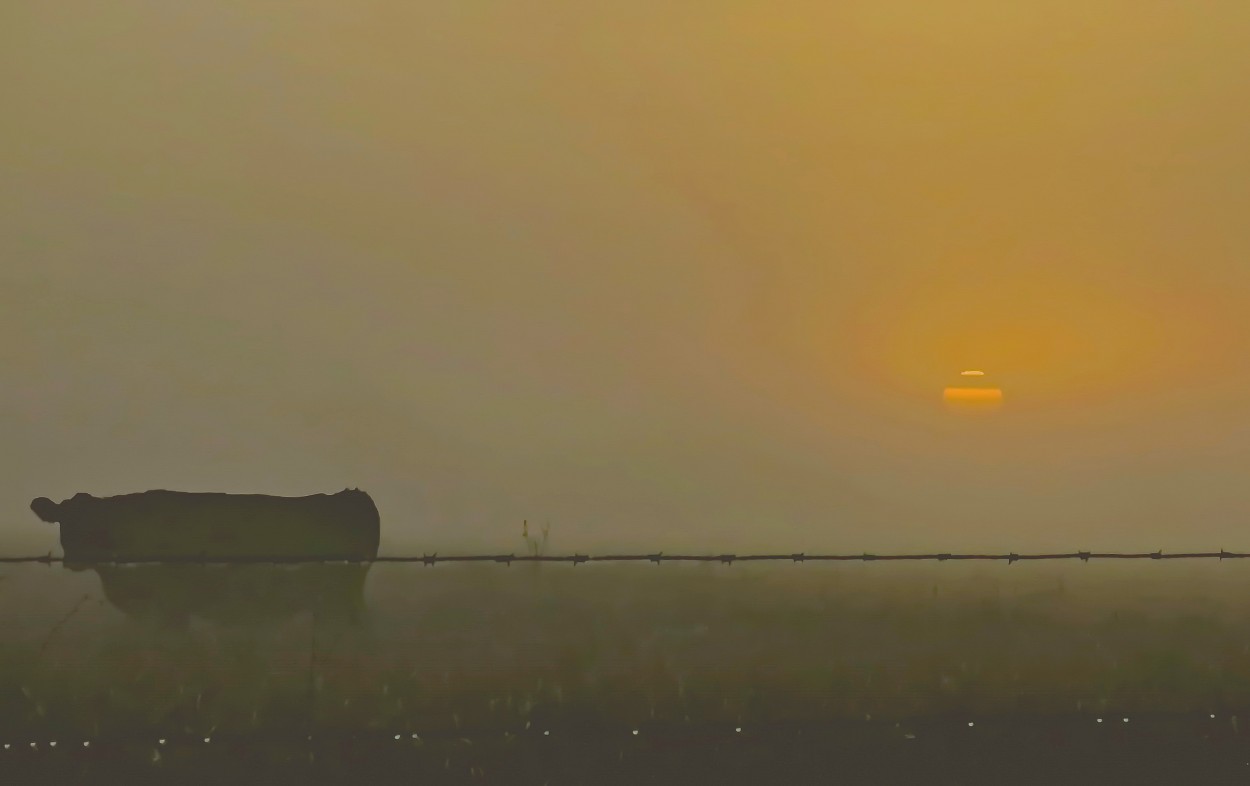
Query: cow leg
<point>347,630</point>
<point>343,612</point>
<point>171,620</point>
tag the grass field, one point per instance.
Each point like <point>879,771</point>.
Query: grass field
<point>479,660</point>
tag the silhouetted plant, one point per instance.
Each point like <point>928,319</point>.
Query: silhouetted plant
<point>535,546</point>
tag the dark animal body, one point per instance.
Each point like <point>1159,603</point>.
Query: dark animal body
<point>181,526</point>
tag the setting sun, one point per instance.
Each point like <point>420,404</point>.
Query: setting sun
<point>973,393</point>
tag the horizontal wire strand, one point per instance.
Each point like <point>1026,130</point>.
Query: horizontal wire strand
<point>577,559</point>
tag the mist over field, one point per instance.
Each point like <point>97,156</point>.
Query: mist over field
<point>550,673</point>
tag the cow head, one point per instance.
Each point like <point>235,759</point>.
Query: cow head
<point>82,537</point>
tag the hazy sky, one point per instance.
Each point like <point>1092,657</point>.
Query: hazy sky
<point>672,275</point>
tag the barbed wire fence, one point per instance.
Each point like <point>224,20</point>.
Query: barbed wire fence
<point>577,559</point>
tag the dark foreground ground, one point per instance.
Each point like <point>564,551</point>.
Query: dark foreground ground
<point>741,674</point>
<point>1150,749</point>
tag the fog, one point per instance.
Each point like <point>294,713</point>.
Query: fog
<point>678,276</point>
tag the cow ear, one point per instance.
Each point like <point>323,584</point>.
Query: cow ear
<point>46,509</point>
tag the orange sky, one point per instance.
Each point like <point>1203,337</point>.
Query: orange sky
<point>689,273</point>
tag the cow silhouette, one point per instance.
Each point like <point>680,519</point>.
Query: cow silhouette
<point>187,528</point>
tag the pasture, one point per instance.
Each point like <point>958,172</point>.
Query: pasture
<point>621,673</point>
